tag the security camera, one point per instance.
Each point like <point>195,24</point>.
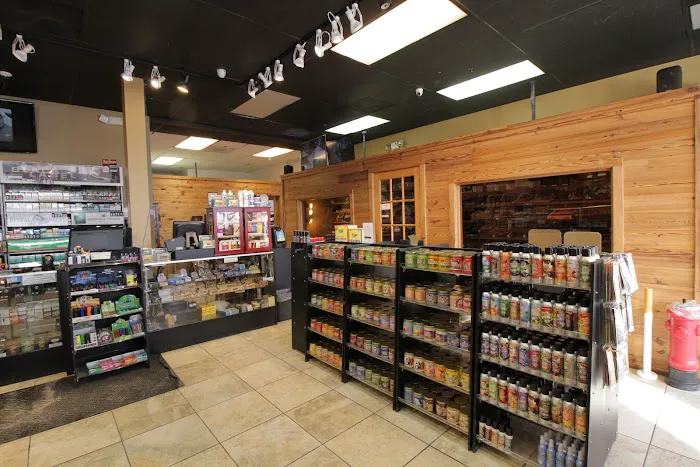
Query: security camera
<point>221,72</point>
<point>419,92</point>
<point>384,4</point>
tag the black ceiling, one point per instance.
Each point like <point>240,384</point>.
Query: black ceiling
<point>81,43</point>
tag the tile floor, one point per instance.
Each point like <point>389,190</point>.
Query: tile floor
<point>250,400</point>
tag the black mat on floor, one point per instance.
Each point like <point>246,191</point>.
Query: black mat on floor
<point>40,408</point>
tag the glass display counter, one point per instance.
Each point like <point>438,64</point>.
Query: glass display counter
<point>191,301</point>
<point>31,343</point>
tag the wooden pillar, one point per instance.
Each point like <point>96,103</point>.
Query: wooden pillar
<point>138,162</point>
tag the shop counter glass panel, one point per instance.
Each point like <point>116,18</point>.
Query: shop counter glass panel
<point>258,229</point>
<point>187,292</point>
<point>507,211</point>
<point>29,313</point>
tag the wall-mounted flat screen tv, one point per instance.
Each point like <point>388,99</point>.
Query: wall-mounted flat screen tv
<point>340,149</point>
<point>314,153</point>
<point>17,129</point>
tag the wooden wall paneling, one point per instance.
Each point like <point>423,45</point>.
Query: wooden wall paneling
<point>455,215</point>
<point>652,145</point>
<point>180,198</point>
<point>618,208</point>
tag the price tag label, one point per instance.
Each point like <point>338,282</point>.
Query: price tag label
<point>231,259</point>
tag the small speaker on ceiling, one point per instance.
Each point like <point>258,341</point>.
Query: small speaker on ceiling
<point>669,78</point>
<point>288,169</point>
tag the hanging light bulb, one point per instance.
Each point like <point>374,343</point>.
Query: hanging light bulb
<point>353,12</point>
<point>252,88</point>
<point>156,78</point>
<point>20,50</point>
<point>321,48</point>
<point>128,74</point>
<point>298,56</point>
<point>183,87</point>
<point>266,78</point>
<point>279,71</point>
<point>336,28</point>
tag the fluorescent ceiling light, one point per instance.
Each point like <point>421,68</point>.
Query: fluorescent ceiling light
<point>196,143</point>
<point>494,80</point>
<point>407,23</point>
<point>360,124</point>
<point>695,16</point>
<point>166,160</point>
<point>273,152</point>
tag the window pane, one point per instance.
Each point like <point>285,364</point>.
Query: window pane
<point>385,190</point>
<point>410,208</point>
<point>386,213</point>
<point>398,213</point>
<point>409,191</point>
<point>410,230</point>
<point>396,189</point>
<point>386,234</point>
<point>398,233</point>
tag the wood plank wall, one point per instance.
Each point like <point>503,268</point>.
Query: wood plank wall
<point>180,198</point>
<point>648,141</point>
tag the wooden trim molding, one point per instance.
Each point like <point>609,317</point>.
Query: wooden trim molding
<point>455,214</point>
<point>618,209</point>
<point>696,164</point>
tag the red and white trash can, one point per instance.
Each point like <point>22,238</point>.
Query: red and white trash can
<point>684,325</point>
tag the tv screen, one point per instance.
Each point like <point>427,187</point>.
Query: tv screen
<point>340,150</point>
<point>314,154</point>
<point>17,130</point>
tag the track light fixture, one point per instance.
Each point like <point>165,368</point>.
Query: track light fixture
<point>279,71</point>
<point>321,48</point>
<point>128,74</point>
<point>266,77</point>
<point>384,4</point>
<point>20,50</point>
<point>183,87</point>
<point>336,28</point>
<point>353,12</point>
<point>298,56</point>
<point>156,78</point>
<point>252,88</point>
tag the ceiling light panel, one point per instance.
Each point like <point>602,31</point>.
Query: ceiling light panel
<point>195,143</point>
<point>360,124</point>
<point>695,16</point>
<point>494,80</point>
<point>166,160</point>
<point>407,23</point>
<point>273,152</point>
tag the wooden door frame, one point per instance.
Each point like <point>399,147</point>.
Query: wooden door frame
<point>418,173</point>
<point>617,202</point>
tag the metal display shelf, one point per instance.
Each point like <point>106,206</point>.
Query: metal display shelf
<point>326,284</point>
<point>521,458</point>
<point>487,280</point>
<point>321,309</point>
<point>464,352</point>
<point>339,341</point>
<point>435,306</point>
<point>370,354</point>
<point>369,323</point>
<point>433,416</point>
<point>453,273</point>
<point>520,325</point>
<point>323,361</point>
<point>334,260</point>
<point>101,291</point>
<point>365,263</point>
<point>537,421</point>
<point>364,292</point>
<point>83,372</point>
<point>537,373</point>
<point>208,258</point>
<point>434,380</point>
<point>97,264</point>
<point>373,386</point>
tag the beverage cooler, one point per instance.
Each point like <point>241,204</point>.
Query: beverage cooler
<point>258,230</point>
<point>226,227</point>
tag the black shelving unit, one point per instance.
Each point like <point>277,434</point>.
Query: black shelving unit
<point>407,308</point>
<point>313,311</point>
<point>82,355</point>
<point>355,296</point>
<point>602,401</point>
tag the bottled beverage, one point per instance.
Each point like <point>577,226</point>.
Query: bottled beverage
<point>560,267</point>
<point>572,267</point>
<point>515,263</point>
<point>548,266</point>
<point>536,265</point>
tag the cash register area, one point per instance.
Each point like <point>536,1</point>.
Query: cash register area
<point>250,400</point>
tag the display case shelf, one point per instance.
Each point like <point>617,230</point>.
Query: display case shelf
<point>539,374</point>
<point>463,352</point>
<point>326,284</point>
<point>522,460</point>
<point>323,361</point>
<point>339,341</point>
<point>488,280</point>
<point>433,379</point>
<point>433,416</point>
<point>526,416</point>
<point>79,293</point>
<point>369,323</point>
<point>325,311</point>
<point>365,263</point>
<point>520,325</point>
<point>370,354</point>
<point>371,294</point>
<point>321,258</point>
<point>451,273</point>
<point>435,306</point>
<point>373,386</point>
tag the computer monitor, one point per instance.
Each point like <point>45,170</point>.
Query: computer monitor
<point>102,239</point>
<point>180,228</point>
